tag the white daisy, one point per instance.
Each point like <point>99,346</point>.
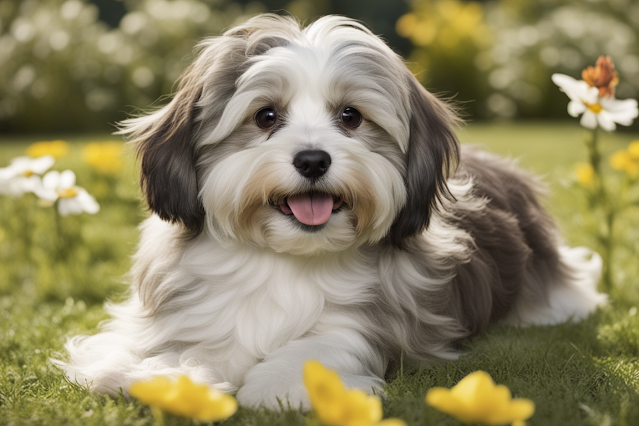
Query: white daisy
<point>71,199</point>
<point>597,110</point>
<point>21,176</point>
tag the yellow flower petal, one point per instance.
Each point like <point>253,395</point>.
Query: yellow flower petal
<point>406,25</point>
<point>624,161</point>
<point>620,160</point>
<point>151,391</point>
<point>325,390</point>
<point>57,148</point>
<point>335,405</point>
<point>585,174</point>
<point>391,422</point>
<point>360,409</point>
<point>106,157</point>
<point>185,398</point>
<point>476,399</point>
<point>443,400</point>
<point>633,169</point>
<point>633,149</point>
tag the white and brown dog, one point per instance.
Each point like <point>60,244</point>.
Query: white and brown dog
<point>310,200</point>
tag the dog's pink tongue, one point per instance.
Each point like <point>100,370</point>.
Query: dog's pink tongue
<point>311,209</point>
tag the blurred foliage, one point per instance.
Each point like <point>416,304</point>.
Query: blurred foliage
<point>448,35</point>
<point>52,257</point>
<point>78,65</point>
<point>497,57</point>
<point>62,68</point>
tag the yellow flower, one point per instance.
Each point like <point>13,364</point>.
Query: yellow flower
<point>55,148</point>
<point>476,399</point>
<point>406,25</point>
<point>337,406</point>
<point>633,149</point>
<point>104,156</point>
<point>625,161</point>
<point>585,174</point>
<point>185,398</point>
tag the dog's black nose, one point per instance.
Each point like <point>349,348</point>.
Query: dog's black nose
<point>312,163</point>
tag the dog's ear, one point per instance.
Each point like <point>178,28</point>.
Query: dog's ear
<point>164,143</point>
<point>431,156</point>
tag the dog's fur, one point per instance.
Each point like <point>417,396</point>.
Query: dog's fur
<point>429,247</point>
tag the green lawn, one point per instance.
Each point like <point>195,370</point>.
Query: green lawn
<point>55,274</point>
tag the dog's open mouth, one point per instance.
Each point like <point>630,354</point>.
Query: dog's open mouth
<point>311,208</point>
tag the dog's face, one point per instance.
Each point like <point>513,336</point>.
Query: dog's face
<point>303,141</point>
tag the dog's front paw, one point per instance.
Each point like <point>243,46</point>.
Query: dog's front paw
<point>275,395</point>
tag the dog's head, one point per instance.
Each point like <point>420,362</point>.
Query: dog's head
<point>301,140</point>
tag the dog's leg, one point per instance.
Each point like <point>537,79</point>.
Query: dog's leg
<point>278,378</point>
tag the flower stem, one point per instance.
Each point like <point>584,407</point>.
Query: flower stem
<point>608,249</point>
<point>602,198</point>
<point>595,161</point>
<point>26,231</point>
<point>59,245</point>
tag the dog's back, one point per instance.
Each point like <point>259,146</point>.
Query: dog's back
<point>521,271</point>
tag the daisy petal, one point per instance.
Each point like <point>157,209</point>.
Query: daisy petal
<point>65,206</point>
<point>31,183</point>
<point>575,108</point>
<point>565,82</point>
<point>577,90</point>
<point>589,120</point>
<point>615,105</point>
<point>45,194</point>
<point>42,164</point>
<point>87,202</point>
<point>622,112</point>
<point>606,122</point>
<point>51,181</point>
<point>67,179</point>
<point>20,162</point>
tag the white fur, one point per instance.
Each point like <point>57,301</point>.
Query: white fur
<point>244,303</point>
<point>571,300</point>
<point>254,306</point>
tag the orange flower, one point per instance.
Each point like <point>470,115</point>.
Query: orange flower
<point>603,76</point>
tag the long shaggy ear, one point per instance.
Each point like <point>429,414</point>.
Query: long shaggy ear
<point>165,140</point>
<point>432,155</point>
<point>165,148</point>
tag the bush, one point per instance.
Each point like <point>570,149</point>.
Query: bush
<point>499,55</point>
<point>62,69</point>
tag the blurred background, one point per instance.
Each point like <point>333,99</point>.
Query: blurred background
<point>81,65</point>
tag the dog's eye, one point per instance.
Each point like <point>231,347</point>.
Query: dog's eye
<point>351,118</point>
<point>266,118</point>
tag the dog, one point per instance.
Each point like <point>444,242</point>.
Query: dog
<point>310,200</point>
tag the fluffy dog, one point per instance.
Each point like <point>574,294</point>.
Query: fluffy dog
<point>310,200</point>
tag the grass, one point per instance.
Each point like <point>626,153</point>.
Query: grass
<point>51,288</point>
